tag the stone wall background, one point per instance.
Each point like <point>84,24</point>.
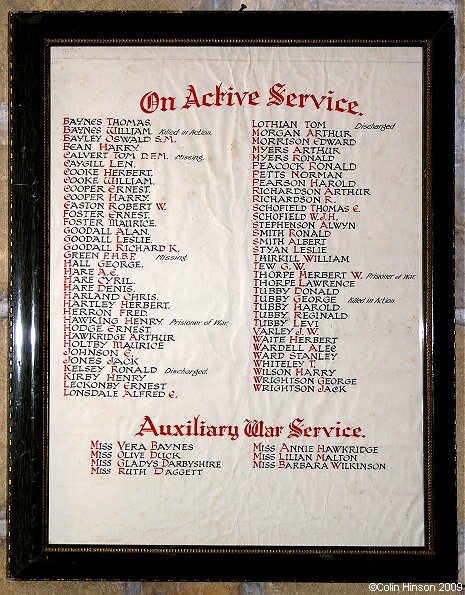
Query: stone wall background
<point>8,587</point>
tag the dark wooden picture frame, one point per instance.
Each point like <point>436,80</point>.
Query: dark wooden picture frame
<point>29,554</point>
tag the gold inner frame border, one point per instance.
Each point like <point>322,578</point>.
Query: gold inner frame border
<point>428,549</point>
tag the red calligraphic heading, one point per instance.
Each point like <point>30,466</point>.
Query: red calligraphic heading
<point>226,96</point>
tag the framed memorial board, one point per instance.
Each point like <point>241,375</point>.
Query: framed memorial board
<point>232,352</point>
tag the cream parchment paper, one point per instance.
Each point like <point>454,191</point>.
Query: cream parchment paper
<point>236,296</point>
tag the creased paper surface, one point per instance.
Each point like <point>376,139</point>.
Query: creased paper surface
<point>236,296</point>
